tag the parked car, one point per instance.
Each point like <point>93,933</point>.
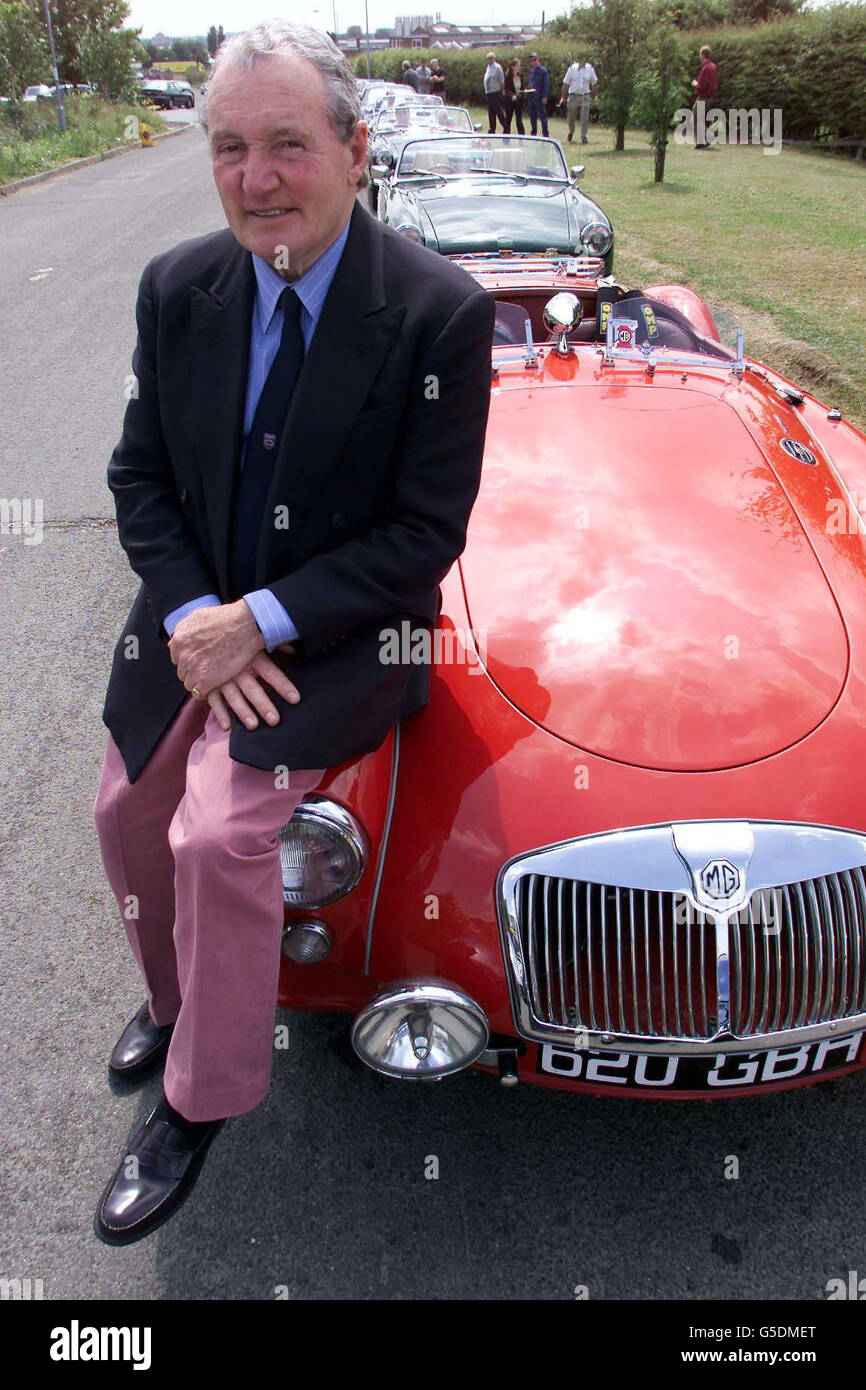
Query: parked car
<point>379,98</point>
<point>38,91</point>
<point>165,93</point>
<point>458,193</point>
<point>71,89</point>
<point>395,125</point>
<point>622,850</point>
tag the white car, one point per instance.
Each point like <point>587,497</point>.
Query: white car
<point>37,91</point>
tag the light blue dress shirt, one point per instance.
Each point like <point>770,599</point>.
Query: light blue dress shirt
<point>267,326</point>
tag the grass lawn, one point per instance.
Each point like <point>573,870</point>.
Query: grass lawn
<point>93,125</point>
<point>775,243</point>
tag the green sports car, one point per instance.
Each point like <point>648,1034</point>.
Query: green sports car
<point>460,194</point>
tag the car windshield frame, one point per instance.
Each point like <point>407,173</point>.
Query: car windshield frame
<point>483,145</point>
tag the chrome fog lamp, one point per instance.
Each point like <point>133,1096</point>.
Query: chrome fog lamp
<point>420,1030</point>
<point>412,232</point>
<point>597,238</point>
<point>323,852</point>
<point>307,942</point>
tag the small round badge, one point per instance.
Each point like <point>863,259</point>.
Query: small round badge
<point>798,451</point>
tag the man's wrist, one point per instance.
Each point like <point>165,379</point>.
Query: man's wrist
<point>254,622</point>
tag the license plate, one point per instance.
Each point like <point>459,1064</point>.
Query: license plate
<point>663,1072</point>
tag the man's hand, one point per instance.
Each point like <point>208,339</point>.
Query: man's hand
<point>213,645</point>
<point>246,694</point>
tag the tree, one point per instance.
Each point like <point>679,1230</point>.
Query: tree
<point>220,37</point>
<point>24,57</point>
<point>212,41</point>
<point>72,21</point>
<point>759,11</point>
<point>697,14</point>
<point>106,57</point>
<point>613,31</point>
<point>661,87</point>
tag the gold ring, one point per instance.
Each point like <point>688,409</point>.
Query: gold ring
<point>196,693</point>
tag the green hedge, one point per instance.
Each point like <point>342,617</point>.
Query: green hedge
<point>812,66</point>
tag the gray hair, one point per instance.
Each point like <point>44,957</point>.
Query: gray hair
<point>279,38</point>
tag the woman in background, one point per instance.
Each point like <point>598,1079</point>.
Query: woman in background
<point>514,97</point>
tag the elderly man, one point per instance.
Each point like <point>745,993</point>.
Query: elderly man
<point>295,474</point>
<point>494,91</point>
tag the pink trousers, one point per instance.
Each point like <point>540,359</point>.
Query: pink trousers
<point>191,851</point>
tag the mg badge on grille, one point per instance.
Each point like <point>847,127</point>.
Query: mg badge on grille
<point>720,880</point>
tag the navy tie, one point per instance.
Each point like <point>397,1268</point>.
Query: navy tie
<point>263,443</point>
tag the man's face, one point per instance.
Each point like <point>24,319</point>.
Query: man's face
<point>283,176</point>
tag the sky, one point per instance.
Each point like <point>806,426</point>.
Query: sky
<point>178,18</point>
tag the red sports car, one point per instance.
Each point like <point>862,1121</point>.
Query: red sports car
<point>623,848</point>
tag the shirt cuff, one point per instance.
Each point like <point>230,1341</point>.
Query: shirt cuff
<point>171,620</point>
<point>272,620</point>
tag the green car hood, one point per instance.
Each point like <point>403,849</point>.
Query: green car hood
<point>518,216</point>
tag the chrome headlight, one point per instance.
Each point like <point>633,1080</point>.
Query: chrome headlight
<point>323,853</point>
<point>597,238</point>
<point>420,1030</point>
<point>410,230</point>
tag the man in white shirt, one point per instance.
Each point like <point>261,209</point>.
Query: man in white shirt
<point>494,83</point>
<point>578,88</point>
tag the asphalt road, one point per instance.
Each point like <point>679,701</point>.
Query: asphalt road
<point>322,1189</point>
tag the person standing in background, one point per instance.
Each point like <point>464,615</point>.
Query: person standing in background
<point>424,75</point>
<point>410,76</point>
<point>578,88</point>
<point>539,95</point>
<point>437,79</point>
<point>706,84</point>
<point>513,94</point>
<point>494,86</point>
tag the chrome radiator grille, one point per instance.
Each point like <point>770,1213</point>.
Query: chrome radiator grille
<point>646,963</point>
<point>797,957</point>
<point>621,960</point>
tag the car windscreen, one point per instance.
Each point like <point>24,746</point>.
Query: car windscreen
<point>422,118</point>
<point>504,155</point>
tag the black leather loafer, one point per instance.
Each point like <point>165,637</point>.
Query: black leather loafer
<point>140,1046</point>
<point>167,1162</point>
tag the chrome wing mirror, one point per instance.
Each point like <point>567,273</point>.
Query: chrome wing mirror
<point>562,314</point>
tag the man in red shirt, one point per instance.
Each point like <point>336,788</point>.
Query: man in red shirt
<point>706,84</point>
